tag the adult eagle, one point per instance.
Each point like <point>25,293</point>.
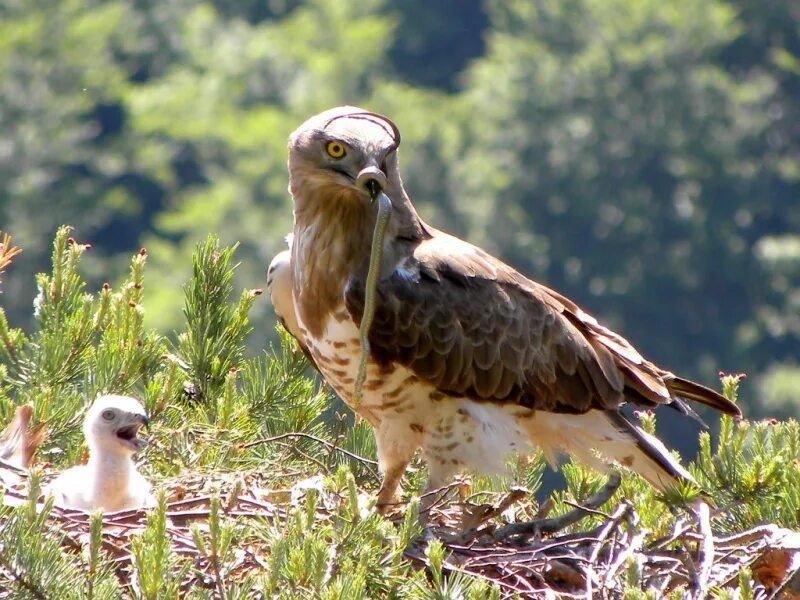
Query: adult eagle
<point>469,360</point>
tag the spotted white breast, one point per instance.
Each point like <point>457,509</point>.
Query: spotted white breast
<point>408,413</point>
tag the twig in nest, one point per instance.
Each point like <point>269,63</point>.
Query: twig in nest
<point>620,514</point>
<point>612,525</point>
<point>756,534</point>
<point>323,467</point>
<point>482,513</point>
<point>308,436</point>
<point>553,524</point>
<point>591,511</point>
<point>705,552</point>
<point>13,468</point>
<point>679,528</point>
<point>682,528</point>
<point>435,498</point>
<point>628,550</point>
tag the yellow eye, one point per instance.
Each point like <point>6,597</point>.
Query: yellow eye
<point>335,149</point>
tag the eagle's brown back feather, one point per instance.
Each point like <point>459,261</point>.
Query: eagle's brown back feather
<point>473,326</point>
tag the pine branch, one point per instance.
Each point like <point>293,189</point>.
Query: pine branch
<point>213,342</point>
<point>23,580</point>
<point>7,252</point>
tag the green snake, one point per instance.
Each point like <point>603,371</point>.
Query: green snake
<point>370,289</point>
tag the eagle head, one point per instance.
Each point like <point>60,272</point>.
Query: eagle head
<point>344,154</point>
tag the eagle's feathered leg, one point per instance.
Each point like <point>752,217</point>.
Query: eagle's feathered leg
<point>394,453</point>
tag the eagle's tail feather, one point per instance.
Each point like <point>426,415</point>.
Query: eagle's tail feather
<point>643,453</point>
<point>690,390</point>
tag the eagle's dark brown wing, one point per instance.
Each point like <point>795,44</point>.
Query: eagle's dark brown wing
<point>473,326</point>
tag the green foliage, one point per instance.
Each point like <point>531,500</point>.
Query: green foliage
<point>455,586</point>
<point>158,571</point>
<point>755,470</point>
<point>346,555</point>
<point>125,352</point>
<point>217,547</point>
<point>99,582</point>
<point>83,345</point>
<point>636,155</point>
<point>33,560</point>
<point>63,311</point>
<point>213,343</point>
<point>264,420</point>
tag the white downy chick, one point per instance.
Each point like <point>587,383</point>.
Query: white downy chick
<point>109,481</point>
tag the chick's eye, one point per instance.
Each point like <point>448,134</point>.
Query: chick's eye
<point>335,149</point>
<point>108,415</point>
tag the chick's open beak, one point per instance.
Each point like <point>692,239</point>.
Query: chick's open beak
<point>128,434</point>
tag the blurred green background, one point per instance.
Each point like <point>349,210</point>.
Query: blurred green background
<point>640,156</point>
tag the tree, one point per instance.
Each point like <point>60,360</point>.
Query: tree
<point>262,492</point>
<point>622,162</point>
<point>639,157</point>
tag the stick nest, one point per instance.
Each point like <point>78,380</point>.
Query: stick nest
<point>547,557</point>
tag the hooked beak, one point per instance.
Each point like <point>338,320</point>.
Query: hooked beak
<point>371,180</point>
